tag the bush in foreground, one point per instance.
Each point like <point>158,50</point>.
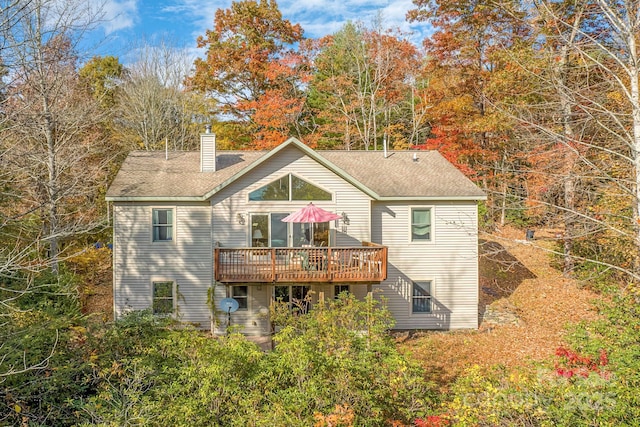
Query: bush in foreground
<point>336,362</point>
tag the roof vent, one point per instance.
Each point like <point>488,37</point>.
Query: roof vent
<point>415,157</point>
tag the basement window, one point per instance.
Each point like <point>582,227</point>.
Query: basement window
<point>421,297</point>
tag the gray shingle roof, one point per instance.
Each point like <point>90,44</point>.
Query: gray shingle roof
<point>148,175</point>
<point>398,175</point>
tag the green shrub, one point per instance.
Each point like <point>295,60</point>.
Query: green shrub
<point>44,372</point>
<point>336,358</point>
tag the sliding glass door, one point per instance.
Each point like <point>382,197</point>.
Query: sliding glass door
<point>269,230</point>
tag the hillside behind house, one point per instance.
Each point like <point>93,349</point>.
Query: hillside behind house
<point>525,307</point>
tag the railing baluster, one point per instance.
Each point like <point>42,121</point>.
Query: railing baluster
<point>317,264</point>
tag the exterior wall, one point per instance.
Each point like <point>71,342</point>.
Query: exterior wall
<point>255,320</point>
<point>234,200</point>
<point>187,260</point>
<point>449,260</point>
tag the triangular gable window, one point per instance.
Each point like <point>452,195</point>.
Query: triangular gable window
<point>287,188</point>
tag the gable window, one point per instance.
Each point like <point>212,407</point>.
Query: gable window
<point>421,224</point>
<point>163,298</point>
<point>241,294</point>
<point>421,297</point>
<point>162,224</point>
<point>287,188</point>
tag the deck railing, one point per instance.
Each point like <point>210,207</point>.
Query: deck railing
<point>307,264</point>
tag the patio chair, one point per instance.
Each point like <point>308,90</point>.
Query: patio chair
<point>304,262</point>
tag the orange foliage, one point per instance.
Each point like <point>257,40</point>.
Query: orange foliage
<point>342,416</point>
<point>253,70</point>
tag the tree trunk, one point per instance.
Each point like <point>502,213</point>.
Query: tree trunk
<point>568,145</point>
<point>569,178</point>
<point>635,149</point>
<point>53,201</point>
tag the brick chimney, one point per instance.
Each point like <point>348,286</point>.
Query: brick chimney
<point>208,151</point>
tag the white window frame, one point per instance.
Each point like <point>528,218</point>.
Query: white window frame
<point>432,233</point>
<point>173,224</point>
<point>432,286</point>
<point>290,176</point>
<point>268,236</point>
<point>247,297</point>
<point>174,299</point>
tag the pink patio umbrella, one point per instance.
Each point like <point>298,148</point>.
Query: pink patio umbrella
<point>311,214</point>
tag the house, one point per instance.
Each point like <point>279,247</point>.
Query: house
<point>193,228</point>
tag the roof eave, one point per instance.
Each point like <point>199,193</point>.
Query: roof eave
<point>154,199</point>
<point>431,198</point>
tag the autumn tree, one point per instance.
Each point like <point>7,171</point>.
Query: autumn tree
<point>51,144</point>
<point>557,75</point>
<point>153,110</point>
<point>547,101</point>
<point>465,64</point>
<point>101,76</point>
<point>360,87</point>
<point>253,70</point>
<point>599,132</point>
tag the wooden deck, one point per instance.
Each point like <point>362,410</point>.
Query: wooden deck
<point>301,265</point>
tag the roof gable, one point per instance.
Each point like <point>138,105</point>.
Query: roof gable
<point>308,152</point>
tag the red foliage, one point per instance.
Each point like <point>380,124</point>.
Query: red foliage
<point>452,144</point>
<point>573,364</point>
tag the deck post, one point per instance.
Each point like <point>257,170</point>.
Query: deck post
<point>273,264</point>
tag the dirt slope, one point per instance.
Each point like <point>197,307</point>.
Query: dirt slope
<point>525,305</point>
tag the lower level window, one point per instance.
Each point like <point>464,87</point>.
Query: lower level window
<point>338,289</point>
<point>241,294</point>
<point>421,297</point>
<point>295,295</point>
<point>163,298</point>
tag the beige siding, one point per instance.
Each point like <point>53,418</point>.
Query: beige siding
<point>450,261</point>
<point>234,199</point>
<point>187,260</point>
<point>254,320</point>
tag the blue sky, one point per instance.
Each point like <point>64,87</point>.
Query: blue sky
<point>180,22</point>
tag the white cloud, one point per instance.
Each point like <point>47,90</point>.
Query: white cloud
<point>323,17</point>
<point>183,21</point>
<point>120,15</point>
<point>317,17</point>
